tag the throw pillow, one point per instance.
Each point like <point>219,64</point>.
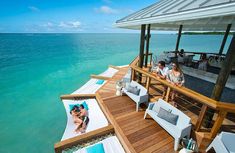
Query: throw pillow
<point>97,148</point>
<point>100,82</point>
<point>133,90</point>
<point>166,115</point>
<point>85,105</point>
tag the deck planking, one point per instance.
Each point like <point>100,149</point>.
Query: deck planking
<point>144,135</point>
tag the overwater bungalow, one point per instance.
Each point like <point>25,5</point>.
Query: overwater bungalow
<point>124,121</point>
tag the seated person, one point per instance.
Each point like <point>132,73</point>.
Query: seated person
<point>203,63</point>
<point>181,56</point>
<point>162,70</point>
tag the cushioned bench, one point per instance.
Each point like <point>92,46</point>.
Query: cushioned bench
<point>142,97</point>
<point>183,122</point>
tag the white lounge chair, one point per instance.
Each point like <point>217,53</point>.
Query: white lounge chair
<point>138,99</point>
<point>111,145</point>
<point>223,143</point>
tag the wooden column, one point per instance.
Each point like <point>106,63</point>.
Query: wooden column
<point>148,83</point>
<point>132,74</point>
<point>178,40</point>
<point>225,39</point>
<point>167,94</point>
<point>225,71</point>
<point>147,45</point>
<point>141,53</point>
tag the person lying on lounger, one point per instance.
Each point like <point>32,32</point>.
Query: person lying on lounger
<point>81,120</point>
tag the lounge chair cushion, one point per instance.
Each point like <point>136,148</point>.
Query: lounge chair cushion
<point>100,82</point>
<point>133,90</point>
<point>166,115</point>
<point>97,148</point>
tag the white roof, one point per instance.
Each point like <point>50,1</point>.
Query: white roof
<point>194,15</point>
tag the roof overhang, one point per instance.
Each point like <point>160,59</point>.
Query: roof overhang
<point>212,18</point>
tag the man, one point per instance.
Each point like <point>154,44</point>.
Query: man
<point>162,70</point>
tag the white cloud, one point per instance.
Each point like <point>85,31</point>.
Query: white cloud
<point>34,9</point>
<point>106,10</point>
<point>48,24</point>
<point>70,24</point>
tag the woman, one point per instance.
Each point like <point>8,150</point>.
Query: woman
<point>176,77</point>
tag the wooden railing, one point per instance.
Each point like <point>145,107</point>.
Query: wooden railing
<point>71,142</point>
<point>221,107</point>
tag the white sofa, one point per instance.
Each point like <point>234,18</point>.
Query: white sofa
<point>138,99</point>
<point>183,125</point>
<point>224,143</point>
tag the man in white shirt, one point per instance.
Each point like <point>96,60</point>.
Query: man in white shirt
<point>162,70</point>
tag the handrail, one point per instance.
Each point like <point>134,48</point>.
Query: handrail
<point>74,96</point>
<point>99,77</point>
<point>217,105</point>
<point>60,146</point>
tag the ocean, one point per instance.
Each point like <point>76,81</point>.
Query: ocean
<point>35,69</point>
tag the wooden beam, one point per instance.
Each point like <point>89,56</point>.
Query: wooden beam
<point>60,146</point>
<point>141,52</point>
<point>225,71</point>
<point>200,118</point>
<point>218,123</point>
<point>225,39</point>
<point>99,77</point>
<point>115,67</point>
<point>147,44</point>
<point>178,40</point>
<point>74,96</point>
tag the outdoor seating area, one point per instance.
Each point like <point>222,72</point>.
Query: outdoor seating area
<point>175,122</point>
<point>135,132</point>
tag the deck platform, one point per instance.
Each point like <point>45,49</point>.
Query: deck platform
<point>137,133</point>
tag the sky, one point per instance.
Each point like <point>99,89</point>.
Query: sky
<point>66,16</point>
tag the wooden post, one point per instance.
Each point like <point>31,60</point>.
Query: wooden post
<point>225,39</point>
<point>141,53</point>
<point>167,94</point>
<point>200,118</point>
<point>148,83</point>
<point>218,123</point>
<point>223,75</point>
<point>225,71</point>
<point>147,45</point>
<point>132,74</point>
<point>178,40</point>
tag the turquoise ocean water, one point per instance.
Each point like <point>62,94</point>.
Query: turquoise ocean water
<point>35,69</point>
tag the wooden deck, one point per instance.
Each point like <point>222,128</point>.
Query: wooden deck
<point>134,132</point>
